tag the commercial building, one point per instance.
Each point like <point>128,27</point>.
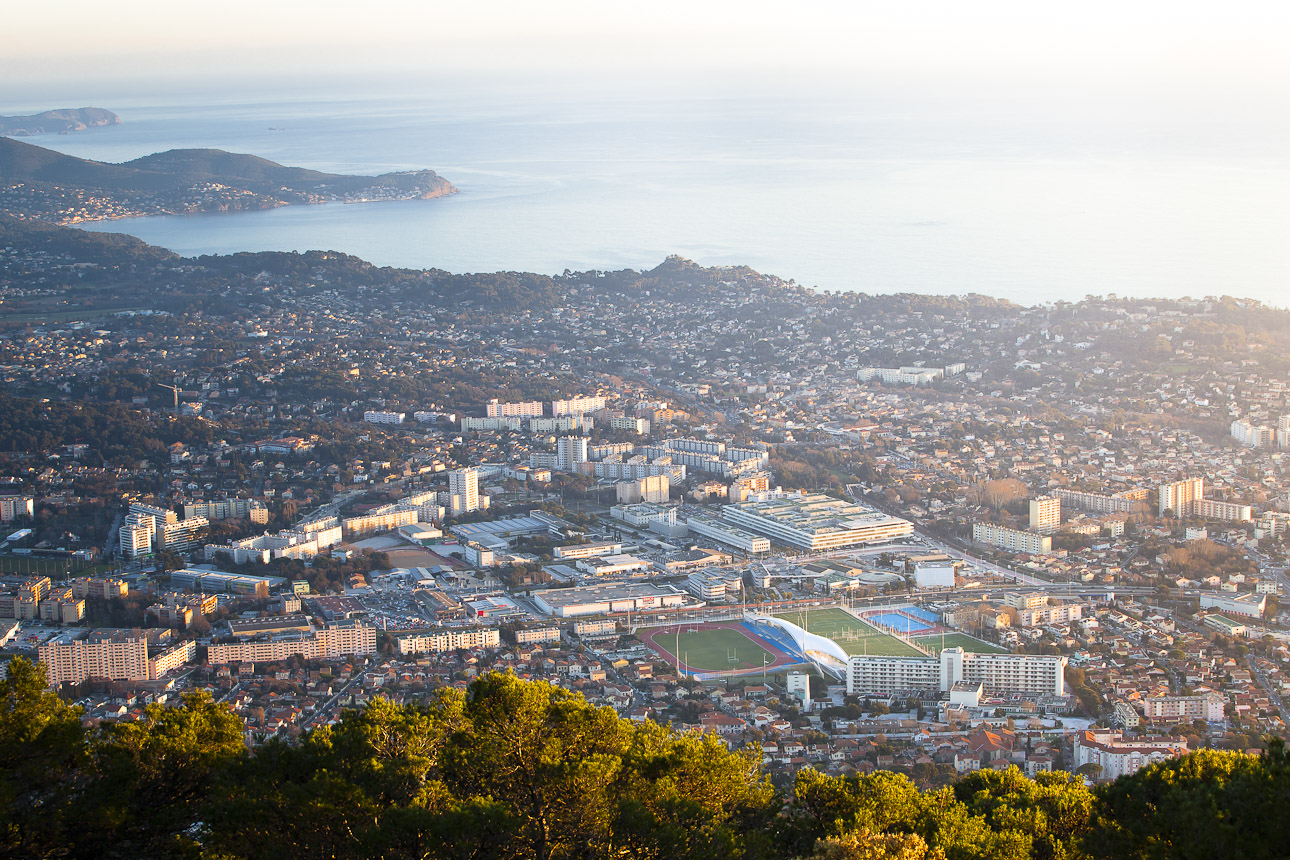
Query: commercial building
<point>644,515</point>
<point>587,550</point>
<point>1038,675</point>
<point>728,535</point>
<point>1013,540</point>
<point>1045,514</point>
<point>1118,757</point>
<point>448,639</point>
<point>935,574</point>
<point>333,639</point>
<point>613,565</point>
<point>816,522</point>
<point>1248,605</point>
<point>603,598</point>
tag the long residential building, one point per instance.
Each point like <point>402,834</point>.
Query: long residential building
<point>816,522</point>
<point>577,406</point>
<point>117,655</point>
<point>524,409</point>
<point>1127,502</point>
<point>1013,540</point>
<point>1209,707</point>
<point>1040,675</point>
<point>333,639</point>
<point>447,639</point>
<point>1118,757</point>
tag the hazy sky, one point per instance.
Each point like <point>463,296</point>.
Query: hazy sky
<point>1179,48</point>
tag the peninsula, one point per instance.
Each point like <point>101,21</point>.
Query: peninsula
<point>43,185</point>
<point>62,121</point>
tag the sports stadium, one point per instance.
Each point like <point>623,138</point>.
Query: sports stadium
<point>822,638</point>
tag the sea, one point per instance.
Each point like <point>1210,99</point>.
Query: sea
<point>852,194</point>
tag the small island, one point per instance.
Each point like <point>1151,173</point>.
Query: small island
<point>61,121</point>
<point>43,185</point>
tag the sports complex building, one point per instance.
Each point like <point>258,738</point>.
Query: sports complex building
<point>816,522</point>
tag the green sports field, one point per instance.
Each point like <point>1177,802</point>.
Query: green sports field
<point>933,644</point>
<point>709,648</point>
<point>853,635</point>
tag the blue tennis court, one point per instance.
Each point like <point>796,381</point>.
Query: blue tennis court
<point>929,617</point>
<point>900,622</point>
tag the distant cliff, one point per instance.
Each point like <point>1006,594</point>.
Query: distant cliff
<point>41,184</point>
<point>59,121</point>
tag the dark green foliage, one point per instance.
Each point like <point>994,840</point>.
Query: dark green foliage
<point>516,769</point>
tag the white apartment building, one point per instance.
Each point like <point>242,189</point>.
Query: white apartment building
<point>655,489</point>
<point>1013,540</point>
<point>12,507</point>
<point>1061,613</point>
<point>184,535</point>
<point>563,424</point>
<point>631,425</point>
<point>1209,707</point>
<point>136,535</point>
<point>1045,514</point>
<point>448,639</point>
<point>524,409</point>
<point>570,451</point>
<point>1253,435</point>
<point>376,416</point>
<point>118,655</point>
<point>577,406</point>
<point>1040,675</point>
<point>1179,495</point>
<point>463,490</point>
<point>1127,502</point>
<point>333,639</point>
<point>1118,757</point>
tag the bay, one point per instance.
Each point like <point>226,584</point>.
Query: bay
<point>843,194</point>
